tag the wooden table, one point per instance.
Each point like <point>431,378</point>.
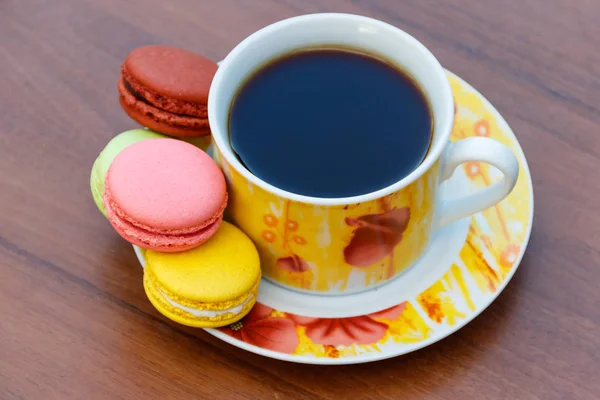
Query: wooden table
<point>75,323</point>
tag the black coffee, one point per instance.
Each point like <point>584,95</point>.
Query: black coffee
<point>330,123</point>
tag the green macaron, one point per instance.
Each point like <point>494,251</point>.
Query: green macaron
<point>106,157</point>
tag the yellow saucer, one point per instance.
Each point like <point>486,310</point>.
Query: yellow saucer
<point>209,286</point>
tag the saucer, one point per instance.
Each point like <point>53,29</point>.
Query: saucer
<point>465,268</point>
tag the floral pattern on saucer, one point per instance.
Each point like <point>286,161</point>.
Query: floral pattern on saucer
<point>494,246</point>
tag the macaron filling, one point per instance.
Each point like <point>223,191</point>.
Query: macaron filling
<point>194,312</point>
<point>207,313</point>
<point>135,102</point>
<point>146,228</point>
<point>155,99</point>
<point>166,240</point>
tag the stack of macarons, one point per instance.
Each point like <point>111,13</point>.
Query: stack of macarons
<point>167,196</point>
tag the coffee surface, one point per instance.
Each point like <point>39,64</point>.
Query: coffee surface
<point>330,123</point>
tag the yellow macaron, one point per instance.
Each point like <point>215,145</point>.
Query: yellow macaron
<point>212,285</point>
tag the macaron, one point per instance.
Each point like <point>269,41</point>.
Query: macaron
<point>165,194</point>
<point>106,157</point>
<point>166,89</point>
<point>209,286</point>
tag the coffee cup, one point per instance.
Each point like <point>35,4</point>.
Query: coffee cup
<point>333,246</point>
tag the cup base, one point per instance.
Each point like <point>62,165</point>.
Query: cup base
<point>439,256</point>
<point>455,187</point>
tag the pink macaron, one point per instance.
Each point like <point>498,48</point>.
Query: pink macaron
<point>165,194</point>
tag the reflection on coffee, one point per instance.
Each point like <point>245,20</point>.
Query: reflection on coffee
<point>330,122</point>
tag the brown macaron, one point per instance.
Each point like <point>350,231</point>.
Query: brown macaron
<point>166,89</point>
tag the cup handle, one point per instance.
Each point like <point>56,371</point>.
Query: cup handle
<point>477,149</point>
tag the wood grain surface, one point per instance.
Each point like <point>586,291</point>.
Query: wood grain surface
<point>74,320</point>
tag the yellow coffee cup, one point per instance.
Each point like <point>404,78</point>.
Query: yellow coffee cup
<point>347,245</point>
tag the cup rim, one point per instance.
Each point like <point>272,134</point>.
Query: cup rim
<point>436,150</point>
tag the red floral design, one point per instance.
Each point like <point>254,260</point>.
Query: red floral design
<point>293,263</point>
<point>347,331</point>
<point>277,334</point>
<point>376,236</point>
